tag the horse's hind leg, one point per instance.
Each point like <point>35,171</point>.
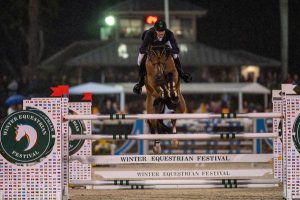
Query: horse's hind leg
<point>156,147</point>
<point>152,124</point>
<point>174,142</point>
<point>180,108</point>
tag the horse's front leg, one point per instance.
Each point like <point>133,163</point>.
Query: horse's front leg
<point>172,89</point>
<point>153,123</point>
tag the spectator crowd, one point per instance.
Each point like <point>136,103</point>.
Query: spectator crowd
<point>39,85</point>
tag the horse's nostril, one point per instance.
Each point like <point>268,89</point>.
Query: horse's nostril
<point>159,77</point>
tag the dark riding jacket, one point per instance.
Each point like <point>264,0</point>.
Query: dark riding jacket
<point>149,37</point>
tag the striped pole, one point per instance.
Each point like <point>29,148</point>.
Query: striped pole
<point>204,136</point>
<point>174,116</point>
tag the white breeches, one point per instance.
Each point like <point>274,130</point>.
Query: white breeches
<point>140,58</point>
<point>169,44</point>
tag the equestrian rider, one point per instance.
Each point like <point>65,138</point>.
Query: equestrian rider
<point>158,35</point>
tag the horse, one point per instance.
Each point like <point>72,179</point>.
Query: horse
<point>162,84</point>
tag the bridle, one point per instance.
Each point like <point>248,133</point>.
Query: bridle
<point>161,66</point>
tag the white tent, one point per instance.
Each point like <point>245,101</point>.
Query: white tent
<point>98,88</point>
<point>217,88</point>
<point>233,88</point>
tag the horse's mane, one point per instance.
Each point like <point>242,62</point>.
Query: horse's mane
<point>159,51</point>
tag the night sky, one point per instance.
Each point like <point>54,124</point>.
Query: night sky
<point>251,25</point>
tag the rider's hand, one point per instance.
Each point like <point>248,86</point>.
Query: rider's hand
<point>168,50</point>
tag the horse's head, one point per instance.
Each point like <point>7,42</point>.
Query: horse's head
<point>20,132</point>
<point>28,132</point>
<point>158,56</point>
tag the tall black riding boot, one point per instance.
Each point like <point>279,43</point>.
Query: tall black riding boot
<point>185,76</point>
<point>137,89</point>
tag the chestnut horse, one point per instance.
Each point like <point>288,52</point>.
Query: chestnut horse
<point>163,89</point>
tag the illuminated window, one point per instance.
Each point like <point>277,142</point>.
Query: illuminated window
<point>175,27</point>
<point>182,28</point>
<point>187,28</point>
<point>105,33</point>
<point>130,28</point>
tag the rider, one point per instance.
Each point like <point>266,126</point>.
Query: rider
<point>158,35</point>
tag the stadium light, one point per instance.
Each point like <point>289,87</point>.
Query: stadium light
<point>110,20</point>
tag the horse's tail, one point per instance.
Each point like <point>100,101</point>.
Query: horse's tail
<point>163,128</point>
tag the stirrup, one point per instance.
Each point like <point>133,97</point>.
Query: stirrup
<point>137,89</point>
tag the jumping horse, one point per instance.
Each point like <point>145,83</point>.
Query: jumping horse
<point>162,84</point>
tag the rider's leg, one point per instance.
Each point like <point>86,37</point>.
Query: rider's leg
<point>185,76</point>
<point>137,89</point>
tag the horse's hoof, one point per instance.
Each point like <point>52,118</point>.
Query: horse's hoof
<point>174,143</point>
<point>157,149</point>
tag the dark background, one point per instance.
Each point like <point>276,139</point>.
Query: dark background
<point>252,25</point>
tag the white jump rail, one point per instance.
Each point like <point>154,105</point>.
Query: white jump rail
<point>174,116</point>
<point>203,136</point>
<point>173,159</point>
<point>137,187</point>
<point>190,173</point>
<point>176,182</point>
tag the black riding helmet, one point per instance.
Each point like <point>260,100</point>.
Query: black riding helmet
<point>160,25</point>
